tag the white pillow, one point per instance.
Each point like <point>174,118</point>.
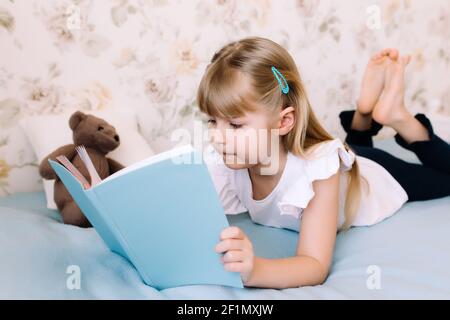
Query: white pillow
<point>46,133</point>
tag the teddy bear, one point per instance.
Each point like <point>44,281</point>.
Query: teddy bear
<point>99,138</point>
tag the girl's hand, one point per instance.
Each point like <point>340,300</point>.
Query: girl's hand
<point>239,255</point>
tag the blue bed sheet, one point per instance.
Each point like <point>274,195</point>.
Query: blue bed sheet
<point>410,251</point>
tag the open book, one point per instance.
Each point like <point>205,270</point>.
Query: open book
<point>162,214</point>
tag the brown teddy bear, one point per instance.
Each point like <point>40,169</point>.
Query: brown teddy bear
<point>99,138</point>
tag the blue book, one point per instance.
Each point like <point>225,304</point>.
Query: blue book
<point>162,214</point>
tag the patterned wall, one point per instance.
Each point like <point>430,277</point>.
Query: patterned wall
<point>149,55</point>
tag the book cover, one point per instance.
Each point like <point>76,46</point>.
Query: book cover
<point>163,214</point>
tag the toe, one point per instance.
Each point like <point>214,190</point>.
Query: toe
<point>391,53</point>
<point>403,62</point>
<point>377,56</point>
<point>406,59</point>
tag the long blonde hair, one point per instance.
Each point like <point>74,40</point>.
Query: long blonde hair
<point>221,95</point>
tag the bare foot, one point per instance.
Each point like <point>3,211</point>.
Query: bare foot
<point>390,108</point>
<point>373,80</point>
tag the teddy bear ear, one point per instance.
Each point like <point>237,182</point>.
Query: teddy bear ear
<point>75,119</point>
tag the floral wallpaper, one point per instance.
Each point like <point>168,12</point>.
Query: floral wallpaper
<point>149,55</point>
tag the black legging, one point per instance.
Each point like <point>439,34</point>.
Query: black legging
<point>429,180</point>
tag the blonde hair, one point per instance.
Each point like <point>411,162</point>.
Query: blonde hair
<point>220,94</point>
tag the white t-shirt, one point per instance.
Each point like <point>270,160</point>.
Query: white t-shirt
<point>283,207</point>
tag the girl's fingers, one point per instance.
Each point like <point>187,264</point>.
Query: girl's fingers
<point>235,267</point>
<point>229,244</point>
<point>233,256</point>
<point>232,232</point>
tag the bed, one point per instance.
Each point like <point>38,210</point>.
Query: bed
<point>407,256</point>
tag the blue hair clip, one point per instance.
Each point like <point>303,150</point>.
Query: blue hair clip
<point>277,74</point>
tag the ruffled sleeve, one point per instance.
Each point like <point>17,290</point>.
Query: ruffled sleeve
<point>320,162</point>
<point>326,158</point>
<point>222,177</point>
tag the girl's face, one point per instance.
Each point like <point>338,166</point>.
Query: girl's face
<point>245,141</point>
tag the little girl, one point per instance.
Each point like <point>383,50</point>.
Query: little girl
<point>320,184</point>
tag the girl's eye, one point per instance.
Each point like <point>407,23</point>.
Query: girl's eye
<point>235,126</point>
<point>211,121</point>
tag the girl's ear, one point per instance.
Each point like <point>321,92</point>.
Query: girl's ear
<point>287,120</point>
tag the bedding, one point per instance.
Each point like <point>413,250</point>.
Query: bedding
<point>406,256</point>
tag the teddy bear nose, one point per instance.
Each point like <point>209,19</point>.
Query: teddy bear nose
<point>116,137</point>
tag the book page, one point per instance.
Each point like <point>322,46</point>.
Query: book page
<point>84,156</point>
<point>172,153</point>
<point>74,171</point>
